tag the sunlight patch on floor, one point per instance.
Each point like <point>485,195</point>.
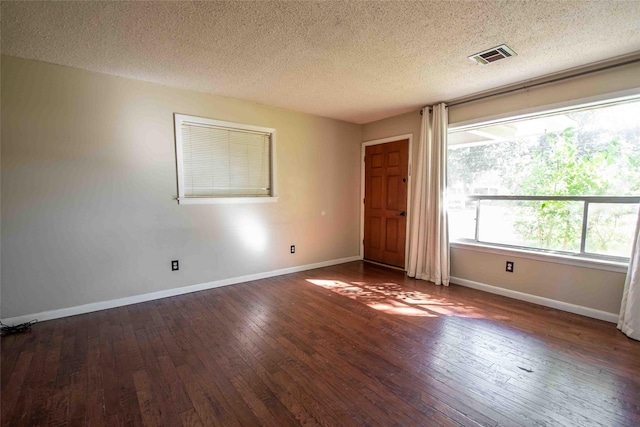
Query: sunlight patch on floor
<point>395,299</point>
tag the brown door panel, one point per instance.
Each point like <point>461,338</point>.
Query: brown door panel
<point>386,176</point>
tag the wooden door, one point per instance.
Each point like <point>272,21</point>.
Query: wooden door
<point>385,202</point>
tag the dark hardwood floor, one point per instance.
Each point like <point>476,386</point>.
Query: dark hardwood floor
<point>354,344</point>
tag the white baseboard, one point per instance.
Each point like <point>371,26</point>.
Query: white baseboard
<point>103,305</point>
<point>547,302</point>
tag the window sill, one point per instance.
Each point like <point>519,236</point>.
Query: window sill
<point>598,264</point>
<point>224,200</point>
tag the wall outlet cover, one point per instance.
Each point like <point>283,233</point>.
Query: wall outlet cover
<point>509,267</point>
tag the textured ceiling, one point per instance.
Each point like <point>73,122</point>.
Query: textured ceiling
<point>355,61</point>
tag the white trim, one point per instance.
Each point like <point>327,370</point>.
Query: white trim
<point>274,169</point>
<point>220,123</point>
<point>103,305</point>
<point>182,200</point>
<point>547,302</point>
<point>225,200</point>
<point>596,264</point>
<point>366,144</point>
<point>557,107</point>
<point>408,136</point>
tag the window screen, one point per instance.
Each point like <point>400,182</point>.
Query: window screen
<point>223,160</point>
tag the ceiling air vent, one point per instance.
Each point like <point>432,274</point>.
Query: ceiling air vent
<point>492,55</point>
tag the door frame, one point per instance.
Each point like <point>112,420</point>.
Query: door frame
<point>366,144</point>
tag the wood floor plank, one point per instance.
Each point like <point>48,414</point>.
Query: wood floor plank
<point>152,414</point>
<point>300,334</point>
<point>353,344</point>
<point>13,396</point>
<point>382,372</point>
<point>190,418</point>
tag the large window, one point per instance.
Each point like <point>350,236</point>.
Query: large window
<point>223,162</point>
<point>567,182</point>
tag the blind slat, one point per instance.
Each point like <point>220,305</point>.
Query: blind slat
<point>225,162</point>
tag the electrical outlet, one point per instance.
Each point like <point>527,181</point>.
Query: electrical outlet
<point>174,265</point>
<point>509,266</point>
<point>293,249</point>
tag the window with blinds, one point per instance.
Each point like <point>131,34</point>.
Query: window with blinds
<point>222,160</point>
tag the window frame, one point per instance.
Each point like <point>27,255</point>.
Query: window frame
<point>581,259</point>
<point>586,200</point>
<point>179,119</point>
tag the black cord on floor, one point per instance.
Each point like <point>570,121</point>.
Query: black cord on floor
<point>14,329</point>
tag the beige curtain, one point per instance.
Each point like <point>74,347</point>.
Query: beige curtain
<point>629,321</point>
<point>428,231</point>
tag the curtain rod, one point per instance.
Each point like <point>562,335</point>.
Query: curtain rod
<point>557,79</point>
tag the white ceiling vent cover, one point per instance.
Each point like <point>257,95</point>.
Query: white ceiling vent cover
<point>492,55</point>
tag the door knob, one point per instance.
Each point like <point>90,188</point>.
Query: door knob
<point>403,213</point>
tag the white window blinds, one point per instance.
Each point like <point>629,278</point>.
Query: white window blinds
<point>221,159</point>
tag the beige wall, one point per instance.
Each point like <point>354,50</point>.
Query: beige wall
<point>408,123</point>
<point>89,181</point>
<point>587,287</point>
